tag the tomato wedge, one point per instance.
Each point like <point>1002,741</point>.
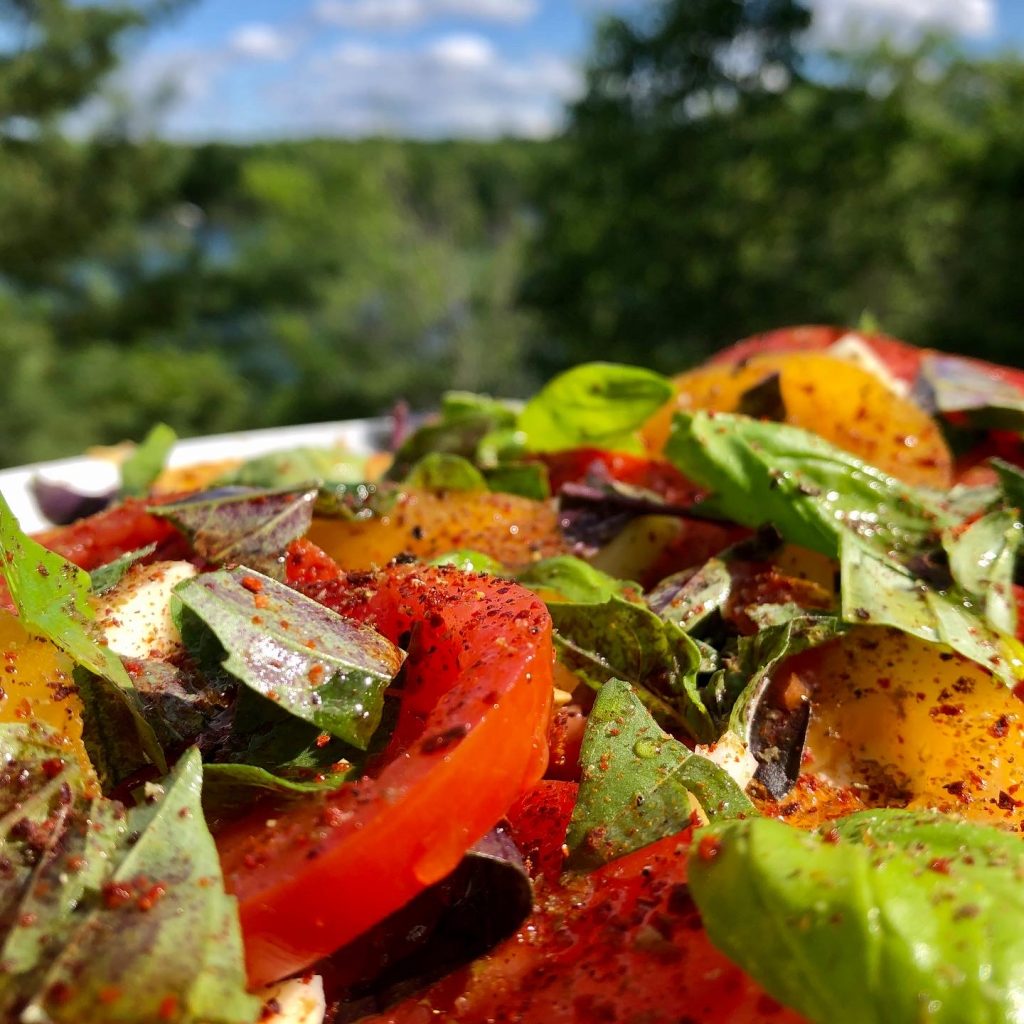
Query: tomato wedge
<point>470,738</point>
<point>625,943</point>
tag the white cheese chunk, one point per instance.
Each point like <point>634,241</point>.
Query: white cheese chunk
<point>733,756</point>
<point>135,615</point>
<point>295,1001</point>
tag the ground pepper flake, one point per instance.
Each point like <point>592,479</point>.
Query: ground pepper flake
<point>709,848</point>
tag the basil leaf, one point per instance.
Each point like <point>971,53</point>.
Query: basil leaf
<point>107,914</point>
<point>464,422</point>
<point>296,468</point>
<point>307,659</point>
<point>884,593</point>
<point>600,404</point>
<point>954,384</point>
<point>470,561</point>
<point>1011,481</point>
<point>891,916</point>
<point>145,464</point>
<point>527,479</point>
<point>636,782</point>
<point>52,598</point>
<point>574,580</point>
<point>690,597</point>
<point>105,577</point>
<point>626,640</point>
<point>355,502</point>
<point>247,528</point>
<point>983,559</point>
<point>440,471</point>
<point>811,491</point>
<point>229,787</point>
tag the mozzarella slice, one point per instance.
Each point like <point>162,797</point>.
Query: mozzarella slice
<point>295,1001</point>
<point>852,348</point>
<point>733,756</point>
<point>135,615</point>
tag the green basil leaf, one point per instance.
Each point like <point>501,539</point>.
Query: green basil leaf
<point>247,528</point>
<point>105,577</point>
<point>890,916</point>
<point>470,561</point>
<point>296,468</point>
<point>1011,481</point>
<point>691,597</point>
<point>636,782</point>
<point>574,580</point>
<point>106,914</point>
<point>439,471</point>
<point>355,502</point>
<point>811,491</point>
<point>626,640</point>
<point>601,404</point>
<point>983,559</point>
<point>145,464</point>
<point>882,592</point>
<point>52,598</point>
<point>307,659</point>
<point>229,787</point>
<point>527,479</point>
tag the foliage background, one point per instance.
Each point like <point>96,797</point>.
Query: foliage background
<point>719,177</point>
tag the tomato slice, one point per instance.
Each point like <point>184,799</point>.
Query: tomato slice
<point>625,943</point>
<point>470,738</point>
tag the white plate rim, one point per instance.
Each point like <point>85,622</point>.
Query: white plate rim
<point>361,436</point>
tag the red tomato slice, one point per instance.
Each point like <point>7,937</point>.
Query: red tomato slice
<point>538,822</point>
<point>470,738</point>
<point>623,944</point>
<point>100,538</point>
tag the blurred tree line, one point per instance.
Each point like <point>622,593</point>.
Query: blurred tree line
<point>719,176</point>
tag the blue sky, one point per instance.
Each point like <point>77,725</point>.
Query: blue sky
<point>245,69</point>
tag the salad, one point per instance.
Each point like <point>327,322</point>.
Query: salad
<point>646,700</point>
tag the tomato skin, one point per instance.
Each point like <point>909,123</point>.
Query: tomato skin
<point>621,945</point>
<point>470,738</point>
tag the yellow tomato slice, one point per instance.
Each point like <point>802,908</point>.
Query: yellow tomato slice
<point>841,402</point>
<point>37,686</point>
<point>514,530</point>
<point>904,722</point>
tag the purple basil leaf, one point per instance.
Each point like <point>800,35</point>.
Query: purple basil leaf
<point>62,504</point>
<point>952,384</point>
<point>234,525</point>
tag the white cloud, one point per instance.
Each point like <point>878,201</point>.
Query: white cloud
<point>453,85</point>
<point>405,14</point>
<point>845,22</point>
<point>261,42</point>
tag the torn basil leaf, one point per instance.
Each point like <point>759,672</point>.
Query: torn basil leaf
<point>983,560</point>
<point>232,526</point>
<point>231,788</point>
<point>439,471</point>
<point>468,560</point>
<point>947,383</point>
<point>355,502</point>
<point>296,468</point>
<point>1011,482</point>
<point>626,640</point>
<point>881,592</point>
<point>811,491</point>
<point>887,916</point>
<point>108,914</point>
<point>574,580</point>
<point>293,651</point>
<point>636,782</point>
<point>527,479</point>
<point>145,464</point>
<point>52,598</point>
<point>105,577</point>
<point>690,597</point>
<point>596,404</point>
